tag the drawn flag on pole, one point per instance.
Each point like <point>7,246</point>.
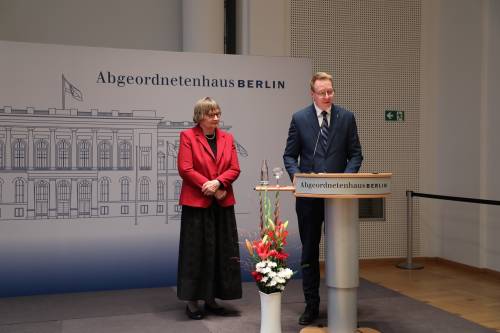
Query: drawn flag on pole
<point>240,149</point>
<point>67,87</point>
<point>74,91</point>
<point>172,150</point>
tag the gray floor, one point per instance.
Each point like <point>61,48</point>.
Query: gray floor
<point>158,310</point>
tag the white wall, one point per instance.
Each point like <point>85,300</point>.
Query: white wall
<point>490,246</point>
<point>145,24</point>
<point>458,155</point>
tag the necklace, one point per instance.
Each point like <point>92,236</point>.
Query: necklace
<point>210,137</point>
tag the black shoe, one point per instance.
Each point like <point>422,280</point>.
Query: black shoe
<point>218,311</point>
<point>310,314</point>
<point>196,315</point>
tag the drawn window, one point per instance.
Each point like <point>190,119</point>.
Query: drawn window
<point>19,191</point>
<point>19,154</point>
<point>41,154</point>
<point>2,155</point>
<point>125,155</point>
<point>144,189</point>
<point>42,191</point>
<point>63,154</point>
<point>104,190</point>
<point>85,191</point>
<point>145,158</point>
<point>63,193</point>
<point>162,165</point>
<point>161,190</point>
<point>18,212</point>
<point>84,154</point>
<point>84,198</point>
<point>105,155</point>
<point>124,189</point>
<point>177,189</point>
<point>104,210</point>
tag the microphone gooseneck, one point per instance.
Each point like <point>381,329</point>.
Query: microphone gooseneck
<point>316,147</point>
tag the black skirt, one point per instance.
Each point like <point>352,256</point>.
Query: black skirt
<point>209,260</point>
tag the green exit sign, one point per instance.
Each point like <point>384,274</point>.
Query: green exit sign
<point>394,115</point>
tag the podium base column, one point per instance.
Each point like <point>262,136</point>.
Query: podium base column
<point>342,309</point>
<point>342,267</point>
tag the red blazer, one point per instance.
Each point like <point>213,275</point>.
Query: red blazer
<point>197,164</point>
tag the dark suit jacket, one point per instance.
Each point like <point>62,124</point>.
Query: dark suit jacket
<point>303,152</point>
<point>197,164</point>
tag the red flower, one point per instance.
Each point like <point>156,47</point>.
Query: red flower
<point>262,249</point>
<point>281,255</point>
<point>257,276</point>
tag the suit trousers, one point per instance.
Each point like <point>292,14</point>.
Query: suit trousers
<point>310,216</point>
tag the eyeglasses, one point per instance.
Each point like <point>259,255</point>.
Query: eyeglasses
<point>325,93</point>
<point>212,115</point>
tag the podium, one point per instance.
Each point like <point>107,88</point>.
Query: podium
<point>341,192</point>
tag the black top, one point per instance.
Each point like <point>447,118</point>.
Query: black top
<point>212,141</point>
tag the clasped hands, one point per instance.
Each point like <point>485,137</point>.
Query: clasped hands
<point>211,188</point>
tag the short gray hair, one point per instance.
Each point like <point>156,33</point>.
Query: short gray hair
<point>203,107</point>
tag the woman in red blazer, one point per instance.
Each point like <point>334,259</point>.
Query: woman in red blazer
<point>209,265</point>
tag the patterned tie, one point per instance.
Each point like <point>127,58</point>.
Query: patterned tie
<point>324,131</point>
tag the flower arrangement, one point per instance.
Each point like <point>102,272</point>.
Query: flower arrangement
<point>268,253</point>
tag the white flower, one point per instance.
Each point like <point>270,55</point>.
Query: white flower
<point>271,283</point>
<point>260,264</point>
<point>285,273</point>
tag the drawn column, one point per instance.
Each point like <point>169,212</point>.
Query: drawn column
<point>52,198</point>
<point>74,198</point>
<point>8,148</point>
<point>114,154</point>
<point>74,163</point>
<point>52,149</point>
<point>94,150</point>
<point>31,198</point>
<point>30,149</point>
<point>94,197</point>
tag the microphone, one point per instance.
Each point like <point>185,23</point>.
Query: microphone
<point>316,146</point>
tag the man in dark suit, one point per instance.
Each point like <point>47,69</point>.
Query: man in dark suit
<point>322,137</point>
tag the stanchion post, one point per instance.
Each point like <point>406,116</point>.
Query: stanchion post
<point>409,264</point>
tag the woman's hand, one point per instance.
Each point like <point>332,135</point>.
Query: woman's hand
<point>210,187</point>
<point>220,194</point>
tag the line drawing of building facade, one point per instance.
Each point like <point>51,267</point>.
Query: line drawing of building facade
<point>67,163</point>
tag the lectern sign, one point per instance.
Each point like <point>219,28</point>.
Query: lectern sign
<point>348,185</point>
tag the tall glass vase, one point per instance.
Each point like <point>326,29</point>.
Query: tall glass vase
<point>270,312</point>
